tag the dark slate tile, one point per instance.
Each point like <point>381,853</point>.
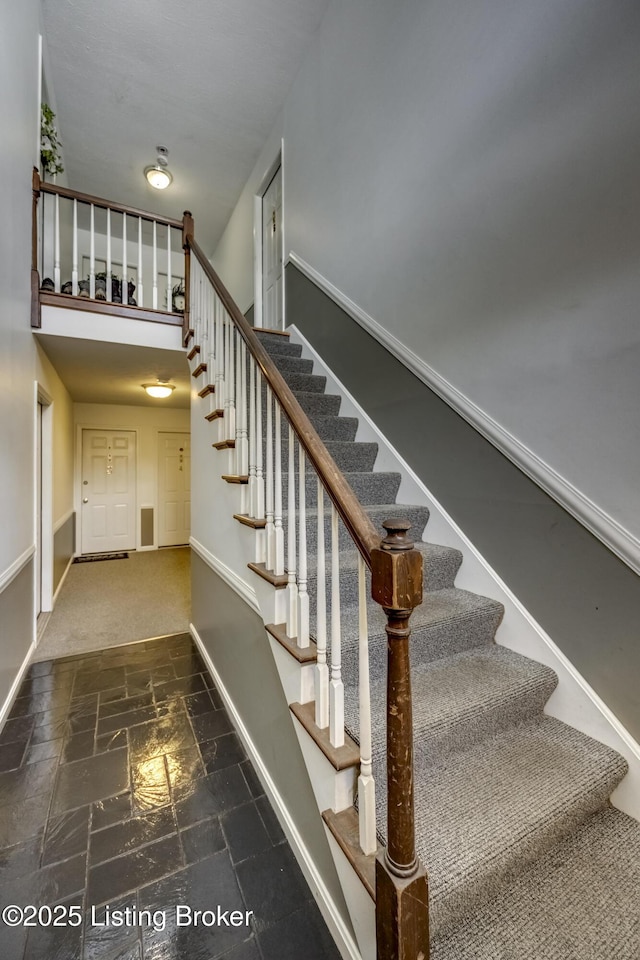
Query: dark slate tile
<point>245,832</point>
<point>139,684</point>
<point>171,708</point>
<point>18,729</point>
<point>207,726</point>
<point>11,755</point>
<point>67,835</point>
<point>125,704</point>
<point>184,767</point>
<point>22,820</point>
<point>113,810</point>
<point>189,665</point>
<point>270,820</point>
<point>210,796</point>
<point>20,859</point>
<point>246,951</point>
<point>198,703</point>
<point>93,681</point>
<point>54,943</point>
<point>58,881</point>
<point>163,673</point>
<point>116,693</point>
<point>129,719</point>
<point>222,752</point>
<point>111,741</point>
<point>95,778</point>
<point>218,702</point>
<point>250,775</point>
<point>149,784</point>
<point>181,687</point>
<point>103,941</point>
<point>50,718</point>
<point>302,933</point>
<point>28,781</point>
<point>181,647</point>
<point>203,840</point>
<point>201,886</point>
<point>130,834</point>
<point>43,751</point>
<point>166,735</point>
<point>112,879</point>
<point>49,731</point>
<point>83,720</point>
<point>272,885</point>
<point>78,746</point>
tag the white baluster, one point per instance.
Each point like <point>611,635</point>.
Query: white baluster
<point>259,461</point>
<point>243,455</point>
<point>169,280</point>
<point>252,437</point>
<point>74,263</point>
<point>336,687</point>
<point>278,567</point>
<point>92,253</point>
<point>226,338</point>
<point>292,589</point>
<point>125,280</point>
<point>56,245</point>
<point>270,527</point>
<point>303,596</point>
<point>230,413</point>
<point>322,670</point>
<point>155,266</point>
<point>217,307</point>
<point>366,784</point>
<point>140,290</point>
<point>109,278</point>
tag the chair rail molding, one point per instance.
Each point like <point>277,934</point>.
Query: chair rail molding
<point>228,575</point>
<point>601,524</point>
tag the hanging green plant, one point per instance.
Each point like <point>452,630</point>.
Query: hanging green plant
<point>49,143</point>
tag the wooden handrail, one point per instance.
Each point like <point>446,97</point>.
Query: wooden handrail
<point>54,188</point>
<point>356,520</point>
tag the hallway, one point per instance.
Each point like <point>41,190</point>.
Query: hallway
<point>123,786</point>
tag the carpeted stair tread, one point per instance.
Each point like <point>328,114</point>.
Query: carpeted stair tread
<point>305,382</point>
<point>351,456</point>
<point>368,487</point>
<point>288,364</point>
<point>335,428</point>
<point>274,342</point>
<point>318,404</point>
<point>416,514</point>
<point>580,901</point>
<point>462,699</point>
<point>485,812</point>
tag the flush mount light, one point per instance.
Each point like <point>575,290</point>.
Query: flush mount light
<point>158,174</point>
<point>159,390</point>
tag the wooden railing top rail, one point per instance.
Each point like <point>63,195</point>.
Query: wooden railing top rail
<point>53,188</point>
<point>356,520</point>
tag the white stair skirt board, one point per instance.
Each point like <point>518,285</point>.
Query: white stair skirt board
<point>621,541</point>
<point>574,701</point>
<point>341,934</point>
<point>362,909</point>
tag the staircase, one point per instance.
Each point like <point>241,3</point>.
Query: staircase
<point>525,855</point>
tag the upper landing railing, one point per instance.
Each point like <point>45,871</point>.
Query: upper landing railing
<point>92,254</point>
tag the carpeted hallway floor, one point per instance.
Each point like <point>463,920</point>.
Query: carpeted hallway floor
<point>112,602</point>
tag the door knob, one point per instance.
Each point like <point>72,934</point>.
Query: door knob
<point>85,499</point>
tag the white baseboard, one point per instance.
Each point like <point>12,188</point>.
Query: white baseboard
<point>15,686</point>
<point>341,933</point>
<point>618,539</point>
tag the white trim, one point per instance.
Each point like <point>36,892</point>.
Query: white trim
<point>63,519</point>
<point>621,541</point>
<point>15,686</point>
<point>77,494</point>
<point>14,569</point>
<point>575,702</point>
<point>339,930</point>
<point>258,197</point>
<point>228,575</point>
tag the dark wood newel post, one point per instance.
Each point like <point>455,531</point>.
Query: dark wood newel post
<point>187,231</point>
<point>402,911</point>
<point>35,277</point>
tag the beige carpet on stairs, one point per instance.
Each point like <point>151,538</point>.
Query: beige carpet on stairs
<point>111,602</point>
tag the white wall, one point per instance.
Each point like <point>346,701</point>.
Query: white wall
<point>468,175</point>
<point>147,422</point>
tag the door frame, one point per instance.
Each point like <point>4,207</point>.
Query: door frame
<point>267,177</point>
<point>77,497</point>
<point>43,504</point>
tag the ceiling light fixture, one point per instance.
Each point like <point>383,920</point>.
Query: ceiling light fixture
<point>158,174</point>
<point>160,390</point>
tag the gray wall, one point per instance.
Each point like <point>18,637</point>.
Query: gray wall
<point>16,626</point>
<point>236,640</point>
<point>467,173</point>
<point>584,596</point>
<point>64,542</point>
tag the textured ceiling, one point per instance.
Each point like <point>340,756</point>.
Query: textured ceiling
<point>206,78</point>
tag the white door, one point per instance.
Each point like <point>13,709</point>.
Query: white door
<point>39,511</point>
<point>174,489</point>
<point>108,490</point>
<point>272,254</point>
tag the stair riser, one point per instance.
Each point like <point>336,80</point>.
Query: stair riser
<point>349,456</point>
<point>368,488</point>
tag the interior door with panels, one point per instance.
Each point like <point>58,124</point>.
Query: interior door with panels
<point>108,490</point>
<point>174,489</point>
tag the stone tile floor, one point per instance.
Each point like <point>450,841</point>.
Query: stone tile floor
<point>123,789</point>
